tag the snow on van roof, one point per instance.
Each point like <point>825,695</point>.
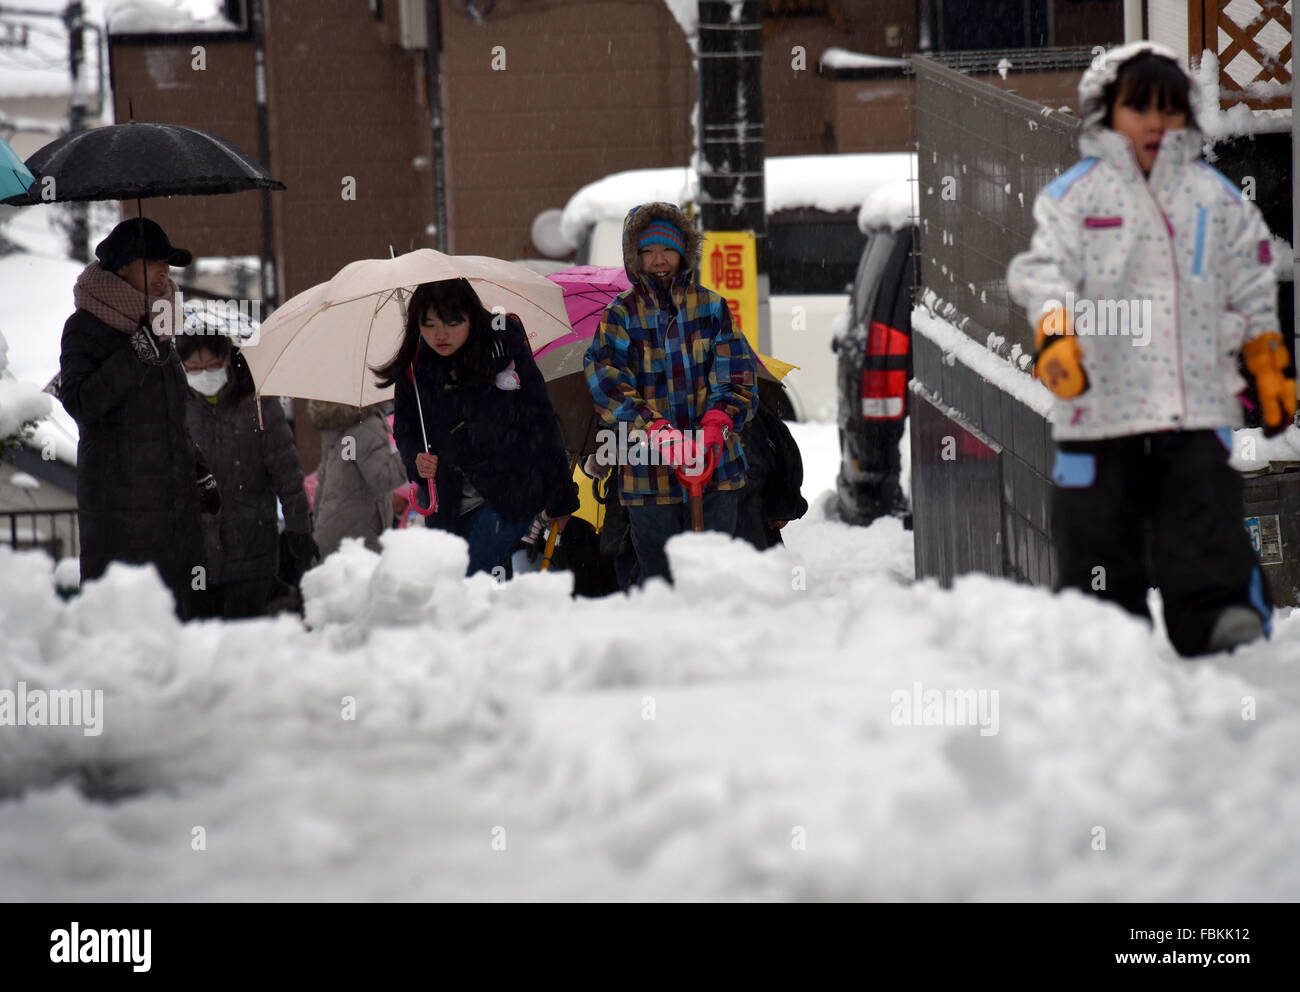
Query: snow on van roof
<point>893,206</point>
<point>825,182</point>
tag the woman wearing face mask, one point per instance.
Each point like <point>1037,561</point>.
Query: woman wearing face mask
<point>253,467</point>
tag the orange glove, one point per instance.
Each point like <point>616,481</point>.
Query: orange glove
<point>1059,362</point>
<point>1266,358</point>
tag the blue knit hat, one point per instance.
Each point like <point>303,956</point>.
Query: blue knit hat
<point>662,232</point>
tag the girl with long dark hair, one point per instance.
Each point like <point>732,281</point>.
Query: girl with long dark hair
<point>495,452</point>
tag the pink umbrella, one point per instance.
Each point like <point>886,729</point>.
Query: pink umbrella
<point>588,290</point>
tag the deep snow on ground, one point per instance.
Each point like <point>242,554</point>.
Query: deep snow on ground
<point>739,736</point>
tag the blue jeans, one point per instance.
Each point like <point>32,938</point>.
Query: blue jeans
<point>492,540</point>
<point>654,523</point>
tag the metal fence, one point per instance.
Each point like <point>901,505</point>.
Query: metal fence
<point>984,155</point>
<point>52,531</point>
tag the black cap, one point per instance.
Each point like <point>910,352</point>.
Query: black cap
<point>126,244</point>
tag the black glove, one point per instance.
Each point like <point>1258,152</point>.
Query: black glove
<point>147,348</point>
<point>302,548</point>
<point>209,494</point>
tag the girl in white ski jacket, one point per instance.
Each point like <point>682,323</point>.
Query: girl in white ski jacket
<point>1148,274</point>
<point>1165,278</point>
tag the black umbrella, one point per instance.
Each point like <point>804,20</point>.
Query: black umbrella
<point>139,159</point>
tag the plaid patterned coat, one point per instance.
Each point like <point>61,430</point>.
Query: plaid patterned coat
<point>674,356</point>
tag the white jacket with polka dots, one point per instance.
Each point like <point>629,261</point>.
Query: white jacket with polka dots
<point>1164,278</point>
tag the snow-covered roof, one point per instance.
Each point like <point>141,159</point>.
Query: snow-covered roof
<point>166,16</point>
<point>826,182</point>
<point>842,58</point>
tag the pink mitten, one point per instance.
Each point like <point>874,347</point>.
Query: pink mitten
<point>716,426</point>
<point>667,440</point>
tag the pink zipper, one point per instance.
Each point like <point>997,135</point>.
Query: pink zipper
<point>1178,303</point>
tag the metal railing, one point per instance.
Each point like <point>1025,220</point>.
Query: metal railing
<point>59,537</point>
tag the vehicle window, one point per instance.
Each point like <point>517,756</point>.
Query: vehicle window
<point>810,258</point>
<point>859,302</point>
<point>874,262</point>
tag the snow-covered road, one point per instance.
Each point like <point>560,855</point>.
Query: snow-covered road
<point>805,724</point>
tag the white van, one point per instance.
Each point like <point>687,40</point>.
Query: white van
<point>814,246</point>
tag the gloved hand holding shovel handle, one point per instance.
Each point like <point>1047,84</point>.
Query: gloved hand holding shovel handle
<point>695,484</point>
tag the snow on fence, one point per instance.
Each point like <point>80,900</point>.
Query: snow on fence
<point>1252,40</point>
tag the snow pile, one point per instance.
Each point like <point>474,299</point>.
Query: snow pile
<point>825,182</point>
<point>36,301</point>
<point>893,206</point>
<point>803,724</point>
<point>1252,451</point>
<point>842,58</point>
<point>165,16</point>
<point>20,402</point>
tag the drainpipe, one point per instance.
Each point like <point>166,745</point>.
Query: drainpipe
<point>1132,20</point>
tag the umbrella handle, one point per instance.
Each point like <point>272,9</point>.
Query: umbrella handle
<point>414,496</point>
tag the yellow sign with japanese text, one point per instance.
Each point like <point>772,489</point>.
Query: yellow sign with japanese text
<point>730,268</point>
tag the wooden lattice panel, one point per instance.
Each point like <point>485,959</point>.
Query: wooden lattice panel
<point>1254,47</point>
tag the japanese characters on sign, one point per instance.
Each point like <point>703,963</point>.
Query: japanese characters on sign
<point>731,269</point>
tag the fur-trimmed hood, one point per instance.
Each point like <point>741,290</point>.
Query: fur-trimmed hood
<point>635,224</point>
<point>1104,70</point>
<point>334,416</point>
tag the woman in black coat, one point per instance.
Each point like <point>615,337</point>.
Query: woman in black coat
<point>139,475</point>
<point>495,451</point>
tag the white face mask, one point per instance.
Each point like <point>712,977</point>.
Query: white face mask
<point>208,382</point>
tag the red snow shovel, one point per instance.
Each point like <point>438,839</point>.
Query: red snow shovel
<point>695,487</point>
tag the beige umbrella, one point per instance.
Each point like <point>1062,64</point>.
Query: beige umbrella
<point>323,343</point>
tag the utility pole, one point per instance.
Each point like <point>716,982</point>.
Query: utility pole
<point>732,190</point>
<point>74,21</point>
<point>270,285</point>
<point>433,78</point>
